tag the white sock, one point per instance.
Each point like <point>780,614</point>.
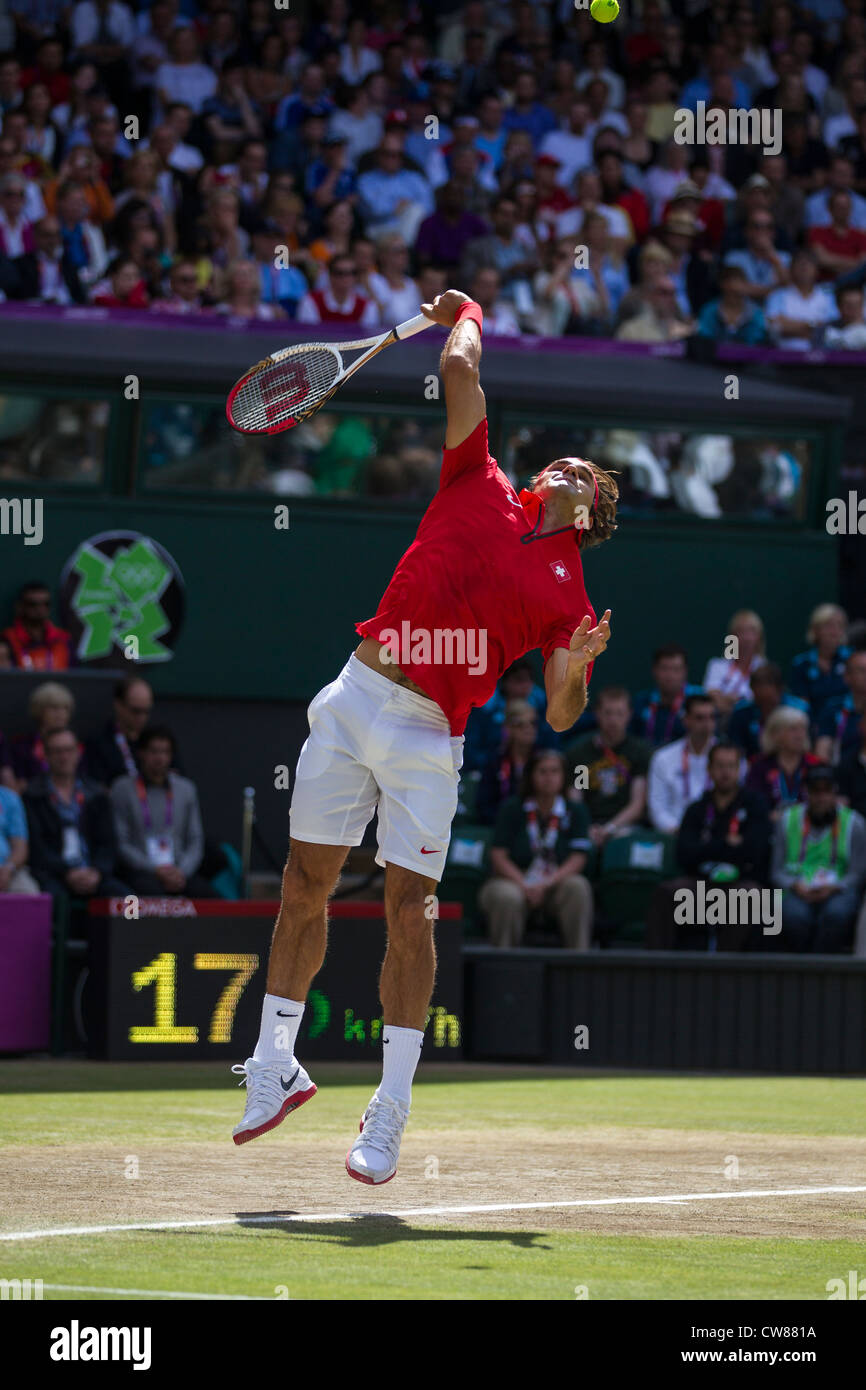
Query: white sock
<point>281,1019</point>
<point>401,1052</point>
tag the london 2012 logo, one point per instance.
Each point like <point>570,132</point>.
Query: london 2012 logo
<point>122,599</point>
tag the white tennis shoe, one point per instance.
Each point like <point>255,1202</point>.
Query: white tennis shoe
<point>373,1156</point>
<point>273,1092</point>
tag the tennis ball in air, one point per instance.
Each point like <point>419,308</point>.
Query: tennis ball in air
<point>605,11</point>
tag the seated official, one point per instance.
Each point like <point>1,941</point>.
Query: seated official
<point>51,706</point>
<point>818,674</point>
<point>538,854</point>
<point>14,846</point>
<point>503,771</point>
<point>678,772</point>
<point>724,839</point>
<point>749,718</point>
<point>779,775</point>
<point>658,713</point>
<point>819,860</point>
<point>36,644</point>
<point>613,764</point>
<point>727,679</point>
<point>111,754</point>
<point>838,732</point>
<point>851,775</point>
<point>158,826</point>
<point>72,843</point>
<point>484,730</point>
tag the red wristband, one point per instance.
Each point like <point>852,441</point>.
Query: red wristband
<point>470,310</point>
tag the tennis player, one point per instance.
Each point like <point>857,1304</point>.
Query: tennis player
<point>491,575</point>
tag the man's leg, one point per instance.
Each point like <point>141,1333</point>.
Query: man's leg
<point>276,1082</point>
<point>798,922</point>
<point>836,924</point>
<point>405,988</point>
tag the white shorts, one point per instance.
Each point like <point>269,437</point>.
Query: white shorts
<point>376,744</point>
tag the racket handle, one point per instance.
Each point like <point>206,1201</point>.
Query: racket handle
<point>405,330</point>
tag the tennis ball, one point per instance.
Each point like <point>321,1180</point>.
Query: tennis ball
<point>605,11</point>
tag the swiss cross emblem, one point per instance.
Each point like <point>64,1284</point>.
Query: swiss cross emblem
<point>560,571</point>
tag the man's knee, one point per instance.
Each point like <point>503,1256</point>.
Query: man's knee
<point>309,877</point>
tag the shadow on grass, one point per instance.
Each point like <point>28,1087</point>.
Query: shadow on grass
<point>378,1228</point>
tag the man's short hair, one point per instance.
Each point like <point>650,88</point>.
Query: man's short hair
<point>55,733</point>
<point>667,650</point>
<point>698,698</point>
<point>724,745</point>
<point>768,673</point>
<point>611,692</point>
<point>154,732</point>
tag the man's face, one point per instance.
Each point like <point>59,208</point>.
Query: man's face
<point>547,778</point>
<point>134,710</point>
<point>54,717</point>
<point>517,684</point>
<point>725,770</point>
<point>61,753</point>
<point>822,802</point>
<point>700,723</point>
<point>10,77</point>
<point>36,606</point>
<point>522,727</point>
<point>851,306</point>
<point>47,236</point>
<point>12,201</point>
<point>155,759</point>
<point>669,674</point>
<point>613,717</point>
<point>767,696</point>
<point>571,479</point>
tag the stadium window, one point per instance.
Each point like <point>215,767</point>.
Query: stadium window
<point>49,440</point>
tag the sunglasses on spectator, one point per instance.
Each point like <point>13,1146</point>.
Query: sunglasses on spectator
<point>347,270</point>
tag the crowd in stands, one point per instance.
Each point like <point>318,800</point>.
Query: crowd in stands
<point>342,163</point>
<point>754,779</point>
<point>107,817</point>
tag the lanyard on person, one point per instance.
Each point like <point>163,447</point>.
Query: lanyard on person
<point>711,815</point>
<point>654,707</point>
<point>71,808</point>
<point>126,753</point>
<point>834,834</point>
<point>783,793</point>
<point>685,772</point>
<point>546,843</point>
<point>145,807</point>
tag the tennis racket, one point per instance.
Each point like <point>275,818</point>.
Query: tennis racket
<point>292,384</point>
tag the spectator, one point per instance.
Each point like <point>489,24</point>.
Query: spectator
<point>392,197</point>
<point>527,113</point>
<point>46,275</point>
<point>279,284</point>
<point>837,723</point>
<point>50,707</point>
<point>228,116</point>
<point>37,645</point>
<point>395,292</point>
<point>538,854</point>
<point>227,239</point>
<point>840,177</point>
<point>610,767</point>
<point>360,122</point>
<point>184,296</point>
<point>765,267</point>
<point>506,252</point>
<point>80,171</point>
<point>848,333</point>
<point>485,729</point>
<point>443,237</point>
<point>818,674</point>
<point>111,754</point>
<point>16,232</point>
<point>502,775</point>
<point>184,77</point>
<point>724,839</point>
<point>83,243</point>
<point>341,301</point>
<point>42,138</point>
<point>14,847</point>
<point>819,862</point>
<point>616,192</point>
<point>158,825</point>
<point>658,712</point>
<point>678,771</point>
<point>654,262</point>
<point>797,313</point>
<point>499,317</point>
<point>244,294</point>
<point>749,717</point>
<point>571,147</point>
<point>124,287</point>
<point>331,178</point>
<point>72,844</point>
<point>838,247</point>
<point>779,776</point>
<point>733,317</point>
<point>726,679</point>
<point>660,321</point>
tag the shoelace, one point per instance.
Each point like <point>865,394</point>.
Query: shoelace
<point>383,1125</point>
<point>260,1080</point>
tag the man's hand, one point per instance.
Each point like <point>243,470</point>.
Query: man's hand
<point>444,307</point>
<point>171,876</point>
<point>534,893</point>
<point>587,643</point>
<point>83,880</point>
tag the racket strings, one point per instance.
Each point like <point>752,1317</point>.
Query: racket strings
<point>286,389</point>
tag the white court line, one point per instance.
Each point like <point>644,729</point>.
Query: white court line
<point>428,1211</point>
<point>155,1293</point>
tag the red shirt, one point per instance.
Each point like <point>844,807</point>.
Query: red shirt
<point>479,566</point>
<point>51,654</point>
<point>851,244</point>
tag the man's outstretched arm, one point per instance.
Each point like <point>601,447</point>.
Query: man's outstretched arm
<point>459,367</point>
<point>565,673</point>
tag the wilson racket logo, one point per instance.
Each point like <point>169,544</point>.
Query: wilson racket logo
<point>290,390</point>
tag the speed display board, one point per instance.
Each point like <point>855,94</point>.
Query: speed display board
<point>190,984</point>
